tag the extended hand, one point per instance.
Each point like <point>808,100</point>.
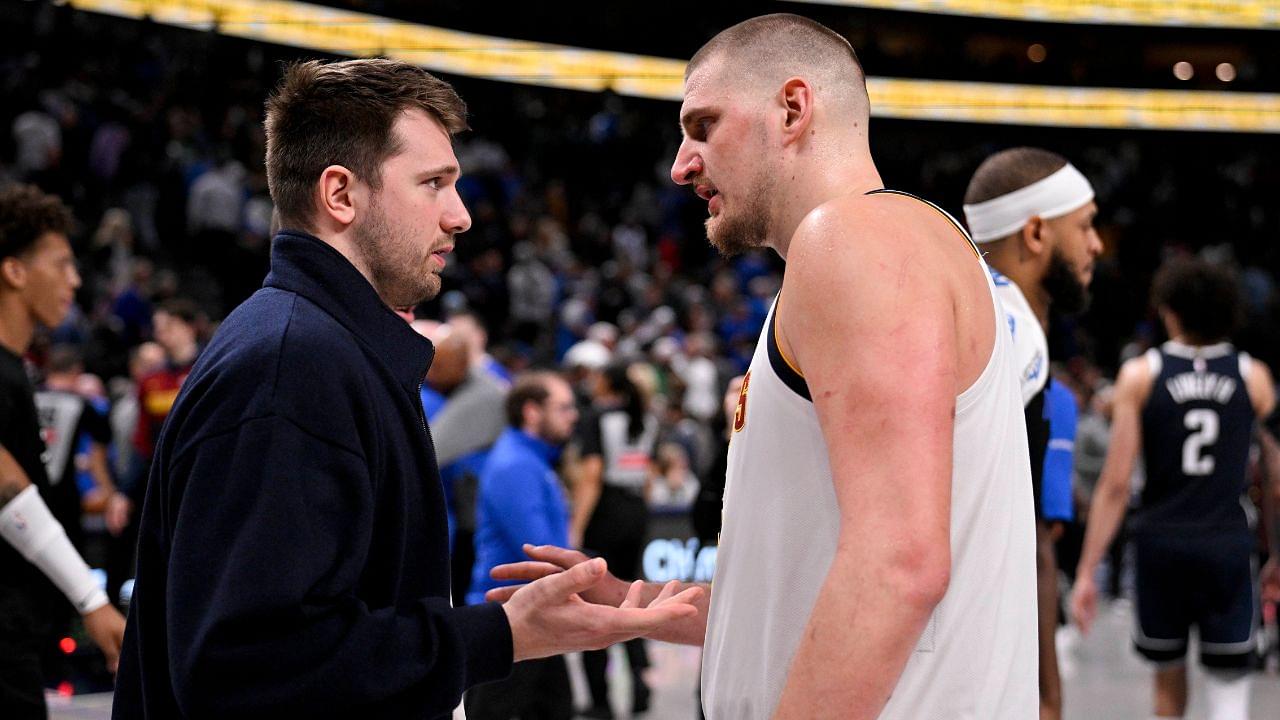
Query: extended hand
<point>106,628</point>
<point>1084,602</point>
<point>549,617</point>
<point>549,560</point>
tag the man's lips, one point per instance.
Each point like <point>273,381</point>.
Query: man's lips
<point>440,254</point>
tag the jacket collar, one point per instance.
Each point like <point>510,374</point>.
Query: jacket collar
<point>310,267</point>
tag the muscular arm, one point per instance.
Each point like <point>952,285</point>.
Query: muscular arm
<point>1111,497</point>
<point>849,334</point>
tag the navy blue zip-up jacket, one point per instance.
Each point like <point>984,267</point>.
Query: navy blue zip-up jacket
<point>293,558</point>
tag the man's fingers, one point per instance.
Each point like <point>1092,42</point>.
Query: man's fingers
<point>666,592</point>
<point>576,579</point>
<point>634,592</point>
<point>501,594</point>
<point>561,557</point>
<point>688,596</point>
<point>527,571</point>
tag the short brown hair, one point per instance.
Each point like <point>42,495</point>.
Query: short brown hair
<point>26,215</point>
<point>342,113</point>
<point>782,44</point>
<point>1010,170</point>
<point>533,386</point>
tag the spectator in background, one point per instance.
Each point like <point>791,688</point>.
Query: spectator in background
<point>533,291</point>
<point>617,444</point>
<point>521,500</point>
<point>144,360</point>
<point>174,325</point>
<point>697,368</point>
<point>474,330</point>
<point>463,429</point>
<point>75,432</point>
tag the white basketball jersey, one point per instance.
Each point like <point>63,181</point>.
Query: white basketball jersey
<point>1030,346</point>
<point>977,658</point>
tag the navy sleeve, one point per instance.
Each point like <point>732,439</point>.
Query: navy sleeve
<point>271,623</point>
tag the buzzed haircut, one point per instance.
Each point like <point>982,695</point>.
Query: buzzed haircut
<point>1203,296</point>
<point>26,215</point>
<point>342,113</point>
<point>532,386</point>
<point>775,47</point>
<point>1010,170</point>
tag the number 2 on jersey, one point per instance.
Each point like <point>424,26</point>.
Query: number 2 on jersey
<point>1204,423</point>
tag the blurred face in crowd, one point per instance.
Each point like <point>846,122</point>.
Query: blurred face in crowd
<point>147,358</point>
<point>45,277</point>
<point>451,362</point>
<point>413,216</point>
<point>725,156</point>
<point>173,333</point>
<point>1074,246</point>
<point>556,416</point>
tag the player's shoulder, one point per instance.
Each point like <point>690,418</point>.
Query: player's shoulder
<point>870,230</point>
<point>1137,373</point>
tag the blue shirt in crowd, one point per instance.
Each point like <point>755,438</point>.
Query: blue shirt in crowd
<point>520,501</point>
<point>1055,492</point>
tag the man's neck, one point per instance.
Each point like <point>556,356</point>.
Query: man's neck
<point>345,244</point>
<point>813,187</point>
<point>17,327</point>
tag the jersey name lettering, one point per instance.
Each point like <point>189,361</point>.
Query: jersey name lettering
<point>1188,386</point>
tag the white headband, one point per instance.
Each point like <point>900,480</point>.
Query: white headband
<point>1062,192</point>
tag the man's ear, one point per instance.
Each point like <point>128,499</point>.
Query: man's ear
<point>1033,238</point>
<point>13,272</point>
<point>796,97</point>
<point>338,191</point>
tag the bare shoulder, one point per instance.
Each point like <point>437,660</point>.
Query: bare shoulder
<point>888,243</point>
<point>1133,382</point>
<point>884,266</point>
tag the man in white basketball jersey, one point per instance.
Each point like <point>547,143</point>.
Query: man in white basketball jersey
<point>1032,213</point>
<point>877,554</point>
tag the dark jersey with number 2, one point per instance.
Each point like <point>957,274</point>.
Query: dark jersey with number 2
<point>1196,430</point>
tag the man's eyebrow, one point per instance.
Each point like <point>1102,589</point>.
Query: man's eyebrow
<point>440,170</point>
<point>686,119</point>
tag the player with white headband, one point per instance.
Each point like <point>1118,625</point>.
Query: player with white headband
<point>1032,213</point>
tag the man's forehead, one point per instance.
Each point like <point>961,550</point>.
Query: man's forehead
<point>703,79</point>
<point>417,130</point>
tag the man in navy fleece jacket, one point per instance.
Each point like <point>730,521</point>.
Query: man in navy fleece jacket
<point>293,552</point>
